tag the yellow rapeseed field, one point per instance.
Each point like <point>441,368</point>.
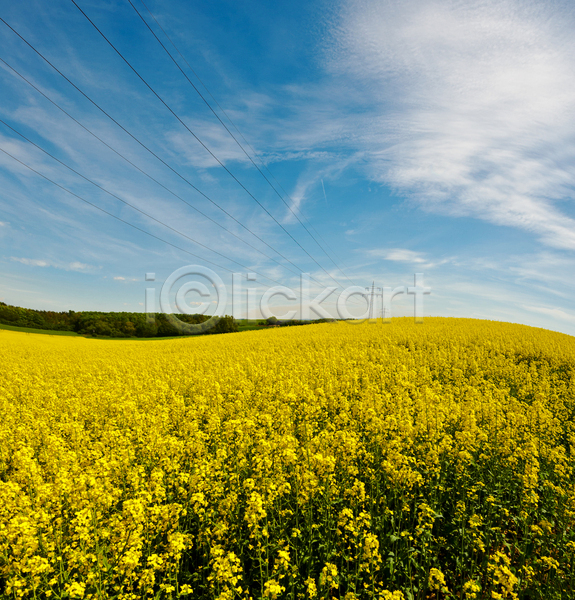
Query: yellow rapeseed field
<point>392,461</point>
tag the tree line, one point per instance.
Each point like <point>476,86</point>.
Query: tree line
<point>109,324</point>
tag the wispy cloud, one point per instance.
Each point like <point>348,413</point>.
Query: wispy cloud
<point>483,125</point>
<point>312,179</point>
<point>78,266</point>
<point>72,266</point>
<point>31,262</point>
<point>406,256</point>
<point>214,136</point>
<point>399,254</point>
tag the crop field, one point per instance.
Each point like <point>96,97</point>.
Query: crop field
<point>391,461</point>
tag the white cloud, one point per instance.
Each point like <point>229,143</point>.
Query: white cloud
<point>73,266</point>
<point>214,136</point>
<point>31,262</point>
<point>474,106</point>
<point>119,279</point>
<point>296,198</point>
<point>78,266</point>
<point>399,254</point>
<point>407,256</point>
<point>314,179</point>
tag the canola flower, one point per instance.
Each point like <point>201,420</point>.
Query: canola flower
<point>386,461</point>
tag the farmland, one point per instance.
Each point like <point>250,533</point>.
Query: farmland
<point>393,461</point>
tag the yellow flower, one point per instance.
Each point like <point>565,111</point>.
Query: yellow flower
<point>328,577</point>
<point>272,589</point>
<point>75,589</point>
<point>311,588</point>
<point>437,581</point>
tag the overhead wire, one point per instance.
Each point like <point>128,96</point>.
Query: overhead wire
<point>95,104</point>
<point>55,104</point>
<point>175,171</point>
<point>65,189</point>
<point>225,126</point>
<point>153,154</point>
<point>143,80</point>
<point>132,205</point>
<point>234,125</point>
<point>109,213</point>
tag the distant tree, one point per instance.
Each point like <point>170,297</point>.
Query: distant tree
<point>165,328</point>
<point>226,324</point>
<point>272,321</point>
<point>146,330</point>
<point>103,328</point>
<point>129,329</point>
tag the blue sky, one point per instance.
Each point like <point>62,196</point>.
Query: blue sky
<point>413,136</point>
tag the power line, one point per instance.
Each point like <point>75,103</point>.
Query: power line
<point>131,205</point>
<point>96,105</point>
<point>119,218</point>
<point>134,70</point>
<point>141,170</point>
<point>109,213</point>
<point>148,149</point>
<point>237,130</point>
<point>224,125</point>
